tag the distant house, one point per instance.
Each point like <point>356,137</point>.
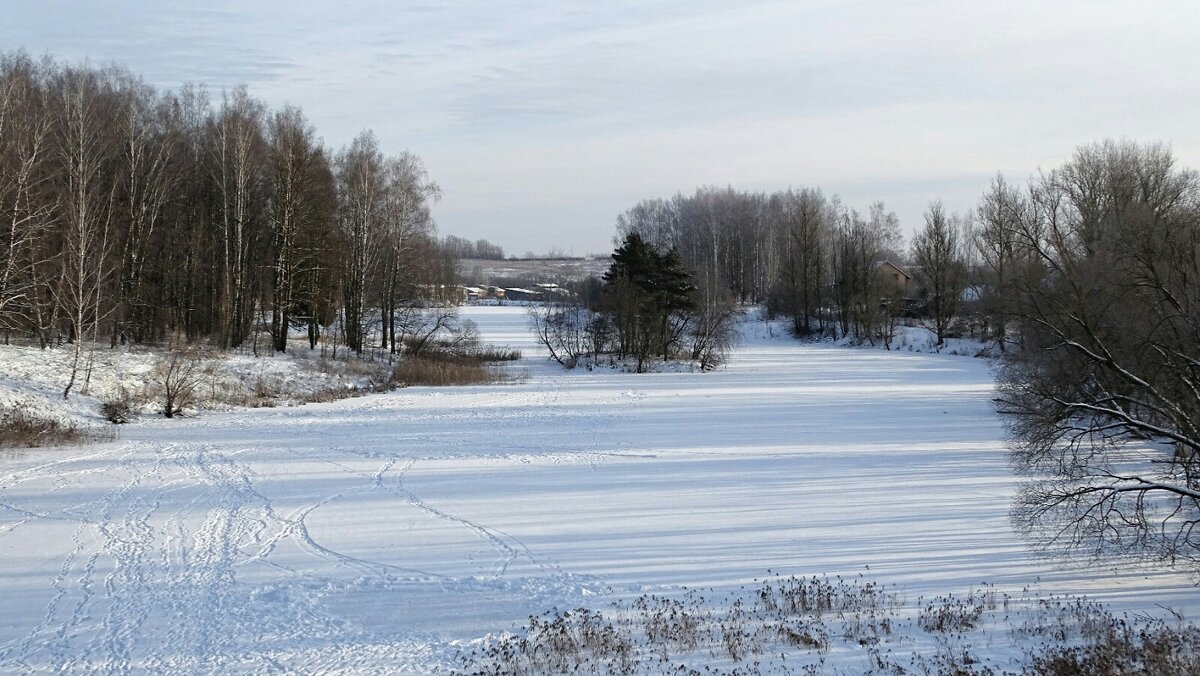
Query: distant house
<point>552,291</point>
<point>519,294</point>
<point>896,282</point>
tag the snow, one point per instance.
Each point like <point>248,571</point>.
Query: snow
<point>36,377</point>
<point>923,339</point>
<point>388,532</point>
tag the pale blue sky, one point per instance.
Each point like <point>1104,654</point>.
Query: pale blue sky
<point>543,121</point>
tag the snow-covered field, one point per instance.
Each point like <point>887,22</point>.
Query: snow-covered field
<point>387,532</point>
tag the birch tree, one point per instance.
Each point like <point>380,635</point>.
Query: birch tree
<point>361,196</point>
<point>148,148</point>
<point>238,168</point>
<point>295,160</point>
<point>407,222</point>
<point>86,163</point>
<point>26,214</point>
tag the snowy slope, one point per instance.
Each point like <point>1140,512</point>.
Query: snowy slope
<point>386,532</point>
<point>34,377</point>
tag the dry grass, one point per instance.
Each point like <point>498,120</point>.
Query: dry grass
<point>444,364</point>
<point>20,427</point>
<point>436,372</point>
<point>812,625</point>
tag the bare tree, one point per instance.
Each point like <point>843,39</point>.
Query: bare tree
<point>238,153</point>
<point>25,151</point>
<point>154,216</point>
<point>564,329</point>
<point>937,253</point>
<point>319,253</point>
<point>802,226</point>
<point>87,196</point>
<point>712,330</point>
<point>1106,391</point>
<point>994,237</point>
<point>361,195</point>
<point>148,145</point>
<point>859,245</point>
<point>406,224</point>
<point>296,164</point>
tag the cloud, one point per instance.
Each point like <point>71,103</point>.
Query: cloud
<point>545,120</point>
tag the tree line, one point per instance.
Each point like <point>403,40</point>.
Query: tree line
<point>134,215</point>
<point>803,254</point>
<point>461,247</point>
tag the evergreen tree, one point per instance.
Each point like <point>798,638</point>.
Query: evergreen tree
<point>647,295</point>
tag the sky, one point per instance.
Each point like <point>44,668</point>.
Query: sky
<point>544,121</point>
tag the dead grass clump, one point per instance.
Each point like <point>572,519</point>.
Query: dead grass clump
<point>422,370</point>
<point>947,614</point>
<point>790,596</point>
<point>20,427</point>
<point>458,353</point>
<point>1161,650</point>
<point>680,625</point>
<point>441,363</point>
<point>573,641</point>
<point>834,625</point>
<point>807,634</point>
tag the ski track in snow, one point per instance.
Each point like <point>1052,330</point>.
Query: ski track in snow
<point>384,533</point>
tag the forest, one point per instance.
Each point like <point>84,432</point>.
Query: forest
<point>132,215</point>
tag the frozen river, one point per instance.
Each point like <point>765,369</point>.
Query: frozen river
<point>380,533</point>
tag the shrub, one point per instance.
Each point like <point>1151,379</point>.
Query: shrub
<point>119,408</point>
<point>177,375</point>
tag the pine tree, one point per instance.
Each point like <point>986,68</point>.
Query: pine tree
<point>645,291</point>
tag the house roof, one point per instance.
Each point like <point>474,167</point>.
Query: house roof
<point>885,263</point>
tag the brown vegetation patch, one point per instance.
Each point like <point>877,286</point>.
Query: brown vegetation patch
<point>20,427</point>
<point>439,372</point>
